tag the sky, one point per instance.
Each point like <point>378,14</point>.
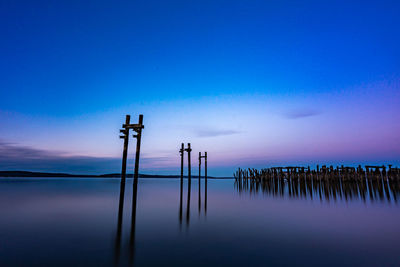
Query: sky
<point>253,83</point>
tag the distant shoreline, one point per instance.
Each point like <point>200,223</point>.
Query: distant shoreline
<point>27,174</point>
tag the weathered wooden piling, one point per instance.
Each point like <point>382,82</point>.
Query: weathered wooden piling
<point>181,151</point>
<point>199,198</point>
<point>138,129</point>
<point>125,136</point>
<point>205,166</point>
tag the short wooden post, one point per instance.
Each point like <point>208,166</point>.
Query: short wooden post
<point>199,166</point>
<point>205,165</point>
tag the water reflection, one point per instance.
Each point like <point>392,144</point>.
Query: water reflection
<point>189,189</point>
<point>327,185</point>
<point>118,238</point>
<point>120,219</point>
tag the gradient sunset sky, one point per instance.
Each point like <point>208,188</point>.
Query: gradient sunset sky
<point>254,83</point>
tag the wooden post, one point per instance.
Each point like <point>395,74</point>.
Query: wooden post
<point>138,129</point>
<point>205,166</point>
<point>199,182</point>
<point>138,140</point>
<point>189,185</point>
<point>199,166</point>
<point>125,131</point>
<point>125,136</point>
<point>182,151</point>
<point>205,182</point>
<point>189,165</point>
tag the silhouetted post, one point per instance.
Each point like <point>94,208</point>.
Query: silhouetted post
<point>138,136</point>
<point>189,165</point>
<point>205,183</point>
<point>181,151</point>
<point>125,136</point>
<point>205,166</point>
<point>199,181</point>
<point>189,184</point>
<point>138,129</point>
<point>199,166</point>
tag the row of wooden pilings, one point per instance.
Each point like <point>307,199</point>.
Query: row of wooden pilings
<point>373,182</point>
<point>189,176</point>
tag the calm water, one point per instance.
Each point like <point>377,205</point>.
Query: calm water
<point>75,221</point>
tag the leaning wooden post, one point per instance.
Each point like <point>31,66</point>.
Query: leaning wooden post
<point>125,136</point>
<point>138,129</point>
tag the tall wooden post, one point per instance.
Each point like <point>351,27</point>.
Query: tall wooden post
<point>138,140</point>
<point>205,182</point>
<point>189,164</point>
<point>199,182</point>
<point>188,149</point>
<point>181,151</point>
<point>125,136</point>
<point>138,129</point>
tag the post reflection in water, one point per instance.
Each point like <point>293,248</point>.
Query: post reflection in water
<point>188,201</point>
<point>118,238</point>
<point>120,218</point>
<point>133,221</point>
<point>370,187</point>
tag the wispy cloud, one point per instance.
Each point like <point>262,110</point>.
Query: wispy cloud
<point>301,113</point>
<point>214,132</point>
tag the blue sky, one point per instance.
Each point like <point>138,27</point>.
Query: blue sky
<point>254,83</point>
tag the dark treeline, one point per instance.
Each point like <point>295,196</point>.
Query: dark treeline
<point>376,183</point>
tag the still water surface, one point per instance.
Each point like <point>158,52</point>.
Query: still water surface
<point>74,222</point>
